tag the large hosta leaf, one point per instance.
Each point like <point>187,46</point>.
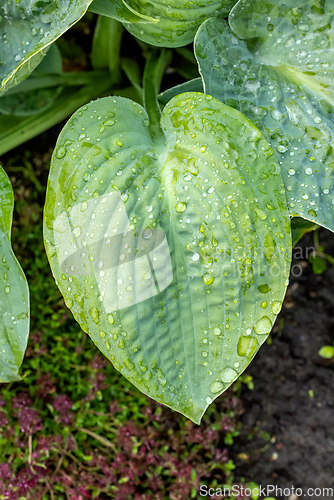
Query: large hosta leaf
<point>172,253</point>
<point>276,65</point>
<point>170,23</point>
<point>14,293</point>
<point>27,28</point>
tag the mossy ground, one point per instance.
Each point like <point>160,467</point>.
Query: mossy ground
<point>74,427</point>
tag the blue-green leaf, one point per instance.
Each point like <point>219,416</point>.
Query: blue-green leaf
<point>31,102</point>
<point>172,253</point>
<point>27,28</point>
<point>275,64</point>
<point>172,23</point>
<point>14,293</point>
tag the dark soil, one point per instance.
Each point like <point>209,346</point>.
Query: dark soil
<point>290,412</point>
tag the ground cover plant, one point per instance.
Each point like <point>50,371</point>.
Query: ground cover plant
<point>73,427</point>
<point>167,219</point>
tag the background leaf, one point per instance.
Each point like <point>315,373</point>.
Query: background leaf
<point>195,85</point>
<point>14,293</point>
<point>212,188</point>
<point>282,80</point>
<point>121,11</point>
<point>106,46</point>
<point>27,28</point>
<point>24,103</point>
<point>299,227</point>
<point>163,24</point>
<point>15,130</point>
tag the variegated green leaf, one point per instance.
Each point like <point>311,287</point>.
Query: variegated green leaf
<point>173,253</point>
<point>27,28</point>
<point>275,64</point>
<point>172,23</point>
<point>14,293</point>
<point>19,102</point>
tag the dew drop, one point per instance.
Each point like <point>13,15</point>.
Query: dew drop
<point>60,152</point>
<point>276,307</point>
<point>208,279</point>
<point>180,207</point>
<point>216,387</point>
<point>69,303</point>
<point>77,231</point>
<point>260,213</point>
<point>277,115</point>
<point>312,212</point>
<point>94,313</point>
<point>217,331</point>
<point>109,123</point>
<point>281,149</point>
<point>162,381</point>
<point>263,326</point>
<point>193,169</point>
<point>264,288</point>
<point>83,206</point>
<point>228,375</point>
<point>147,233</point>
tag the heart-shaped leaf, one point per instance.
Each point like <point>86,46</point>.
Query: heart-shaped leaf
<point>281,78</point>
<point>172,23</point>
<point>14,293</point>
<point>172,253</point>
<point>27,28</point>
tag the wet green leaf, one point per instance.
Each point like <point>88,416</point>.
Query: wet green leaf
<point>165,24</point>
<point>30,102</point>
<point>27,28</point>
<point>172,253</point>
<point>275,64</point>
<point>14,293</point>
<point>121,11</point>
<point>15,130</point>
<point>299,227</point>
